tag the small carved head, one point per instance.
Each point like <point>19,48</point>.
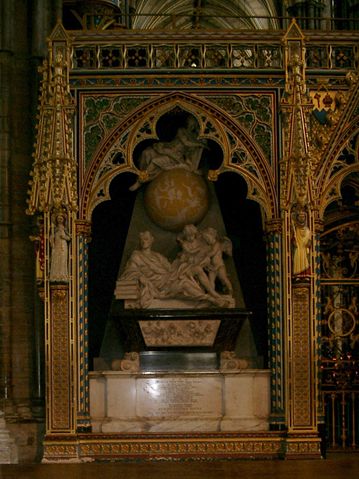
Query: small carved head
<point>60,219</point>
<point>190,232</point>
<point>210,235</point>
<point>301,217</point>
<point>146,239</point>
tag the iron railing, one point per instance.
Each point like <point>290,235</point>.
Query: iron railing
<point>340,390</point>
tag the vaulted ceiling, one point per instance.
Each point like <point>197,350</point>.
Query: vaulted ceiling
<point>184,14</point>
<point>229,14</point>
<point>204,14</point>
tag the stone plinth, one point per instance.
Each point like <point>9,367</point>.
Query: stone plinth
<point>180,402</point>
<point>8,449</point>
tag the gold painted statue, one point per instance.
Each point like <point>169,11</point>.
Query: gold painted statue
<point>302,238</point>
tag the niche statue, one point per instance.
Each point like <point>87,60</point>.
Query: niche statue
<point>59,239</point>
<point>302,238</point>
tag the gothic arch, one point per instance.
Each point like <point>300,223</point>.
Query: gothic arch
<point>215,125</point>
<point>337,167</point>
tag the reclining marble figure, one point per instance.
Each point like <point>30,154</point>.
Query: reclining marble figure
<point>149,275</point>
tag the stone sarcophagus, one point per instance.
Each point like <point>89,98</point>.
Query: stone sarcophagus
<point>207,330</point>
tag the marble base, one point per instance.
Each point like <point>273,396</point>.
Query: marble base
<point>180,402</point>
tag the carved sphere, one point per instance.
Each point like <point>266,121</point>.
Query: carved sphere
<point>175,198</point>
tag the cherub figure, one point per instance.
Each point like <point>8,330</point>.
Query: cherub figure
<point>191,244</point>
<point>216,267</point>
<point>193,259</point>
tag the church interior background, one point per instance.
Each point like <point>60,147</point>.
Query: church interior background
<point>179,229</point>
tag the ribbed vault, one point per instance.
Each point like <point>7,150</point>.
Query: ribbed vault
<point>209,14</point>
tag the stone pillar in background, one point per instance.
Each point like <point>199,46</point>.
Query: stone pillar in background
<point>6,71</point>
<point>8,449</point>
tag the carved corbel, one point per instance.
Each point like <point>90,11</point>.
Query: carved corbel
<point>229,361</point>
<point>274,226</point>
<point>130,363</point>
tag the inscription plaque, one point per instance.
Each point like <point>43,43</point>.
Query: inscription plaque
<point>173,397</point>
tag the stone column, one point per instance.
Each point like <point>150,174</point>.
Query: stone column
<point>6,69</point>
<point>301,358</point>
<point>319,225</point>
<point>83,232</point>
<point>8,449</point>
<point>60,339</point>
<point>275,323</point>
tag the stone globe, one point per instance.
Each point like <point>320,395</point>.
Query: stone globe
<point>175,198</point>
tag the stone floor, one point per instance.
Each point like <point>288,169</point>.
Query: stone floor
<point>339,466</point>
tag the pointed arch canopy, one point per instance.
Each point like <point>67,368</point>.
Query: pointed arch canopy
<point>335,170</point>
<point>140,125</point>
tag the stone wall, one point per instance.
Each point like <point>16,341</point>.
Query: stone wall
<point>22,46</point>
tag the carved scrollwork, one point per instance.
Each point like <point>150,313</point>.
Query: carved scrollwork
<point>130,363</point>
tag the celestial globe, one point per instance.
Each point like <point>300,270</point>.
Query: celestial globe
<point>176,198</point>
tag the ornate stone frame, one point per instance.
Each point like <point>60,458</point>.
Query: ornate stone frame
<point>59,184</point>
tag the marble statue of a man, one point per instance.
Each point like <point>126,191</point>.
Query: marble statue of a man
<point>149,269</point>
<point>148,275</point>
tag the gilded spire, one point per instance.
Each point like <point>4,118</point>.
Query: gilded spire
<point>54,174</point>
<point>296,108</point>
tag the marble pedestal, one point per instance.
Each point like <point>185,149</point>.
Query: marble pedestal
<point>172,402</point>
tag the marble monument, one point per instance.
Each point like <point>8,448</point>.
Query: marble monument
<point>178,293</point>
